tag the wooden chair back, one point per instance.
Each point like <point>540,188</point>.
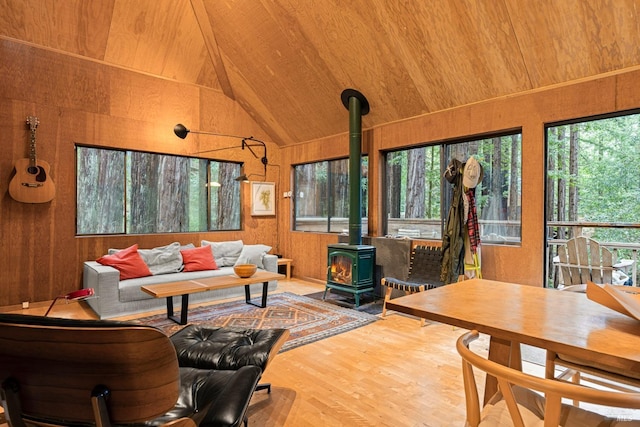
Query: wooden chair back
<point>553,390</point>
<point>583,259</point>
<point>49,369</point>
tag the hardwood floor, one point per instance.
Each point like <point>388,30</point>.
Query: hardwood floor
<point>389,373</point>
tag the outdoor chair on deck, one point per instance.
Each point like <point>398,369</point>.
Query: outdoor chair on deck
<point>424,274</point>
<point>583,260</point>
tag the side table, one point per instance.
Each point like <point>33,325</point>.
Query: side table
<point>287,263</point>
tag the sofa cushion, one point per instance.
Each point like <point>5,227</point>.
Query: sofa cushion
<point>225,253</point>
<point>163,259</point>
<point>252,254</point>
<point>198,259</point>
<point>128,262</point>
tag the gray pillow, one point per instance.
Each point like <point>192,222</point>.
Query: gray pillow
<point>225,253</point>
<point>252,254</point>
<point>163,259</point>
<point>187,246</point>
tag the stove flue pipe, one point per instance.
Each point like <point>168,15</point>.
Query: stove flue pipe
<point>358,106</point>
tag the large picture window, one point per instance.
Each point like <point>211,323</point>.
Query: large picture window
<point>593,190</point>
<point>322,196</point>
<point>418,197</point>
<point>131,192</point>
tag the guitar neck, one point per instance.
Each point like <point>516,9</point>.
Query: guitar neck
<point>32,152</point>
<point>32,121</point>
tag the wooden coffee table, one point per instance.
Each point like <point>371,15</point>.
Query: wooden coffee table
<point>187,287</point>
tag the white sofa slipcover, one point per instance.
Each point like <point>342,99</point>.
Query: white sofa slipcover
<point>115,297</point>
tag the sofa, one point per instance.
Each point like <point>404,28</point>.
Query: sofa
<point>117,276</point>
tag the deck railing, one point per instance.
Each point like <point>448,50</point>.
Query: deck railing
<point>558,232</point>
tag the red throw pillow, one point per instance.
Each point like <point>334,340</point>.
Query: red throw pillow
<point>198,259</point>
<point>128,262</point>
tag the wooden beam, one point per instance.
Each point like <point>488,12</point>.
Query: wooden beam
<point>212,46</point>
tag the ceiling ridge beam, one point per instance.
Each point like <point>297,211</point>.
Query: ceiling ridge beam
<point>212,46</point>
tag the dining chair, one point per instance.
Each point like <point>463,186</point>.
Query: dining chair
<point>583,259</point>
<point>564,367</point>
<point>526,400</point>
<point>424,274</point>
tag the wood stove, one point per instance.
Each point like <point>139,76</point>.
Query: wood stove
<point>351,267</point>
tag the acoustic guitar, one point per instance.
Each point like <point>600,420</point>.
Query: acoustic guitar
<point>32,182</point>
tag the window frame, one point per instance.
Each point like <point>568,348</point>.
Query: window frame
<point>330,203</point>
<point>607,233</point>
<point>446,189</point>
<point>204,176</point>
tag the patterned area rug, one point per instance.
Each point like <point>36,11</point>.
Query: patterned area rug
<point>307,319</point>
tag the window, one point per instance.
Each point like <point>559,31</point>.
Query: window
<point>322,196</point>
<point>418,197</point>
<point>593,189</point>
<point>131,192</point>
<point>413,184</point>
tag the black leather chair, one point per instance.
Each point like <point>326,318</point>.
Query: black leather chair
<point>100,373</point>
<point>228,348</point>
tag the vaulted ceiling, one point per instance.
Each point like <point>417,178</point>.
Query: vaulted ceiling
<point>286,62</point>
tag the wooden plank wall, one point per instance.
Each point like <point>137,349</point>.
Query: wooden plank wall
<point>527,111</point>
<point>77,100</point>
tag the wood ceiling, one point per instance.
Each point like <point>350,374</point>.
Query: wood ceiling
<point>286,62</point>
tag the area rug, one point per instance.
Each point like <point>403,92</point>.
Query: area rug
<point>369,303</point>
<point>307,319</point>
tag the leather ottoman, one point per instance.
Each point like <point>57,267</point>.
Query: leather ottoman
<point>228,348</point>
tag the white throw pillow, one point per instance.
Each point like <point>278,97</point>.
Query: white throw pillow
<point>225,253</point>
<point>252,254</point>
<point>160,260</point>
<point>163,259</point>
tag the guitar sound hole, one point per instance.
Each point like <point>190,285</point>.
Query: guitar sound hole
<point>33,170</point>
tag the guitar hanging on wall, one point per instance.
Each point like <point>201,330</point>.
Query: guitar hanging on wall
<point>32,182</point>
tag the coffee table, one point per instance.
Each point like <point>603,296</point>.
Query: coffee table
<point>187,287</point>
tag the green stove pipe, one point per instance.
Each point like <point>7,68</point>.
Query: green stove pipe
<point>358,106</point>
<point>355,172</point>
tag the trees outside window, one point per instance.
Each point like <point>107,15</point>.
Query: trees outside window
<point>413,187</point>
<point>418,197</point>
<point>322,196</point>
<point>130,192</point>
<point>98,211</point>
<point>592,185</point>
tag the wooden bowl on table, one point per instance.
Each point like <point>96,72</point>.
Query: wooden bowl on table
<point>245,270</point>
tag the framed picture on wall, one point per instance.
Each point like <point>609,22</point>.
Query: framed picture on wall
<point>263,198</point>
